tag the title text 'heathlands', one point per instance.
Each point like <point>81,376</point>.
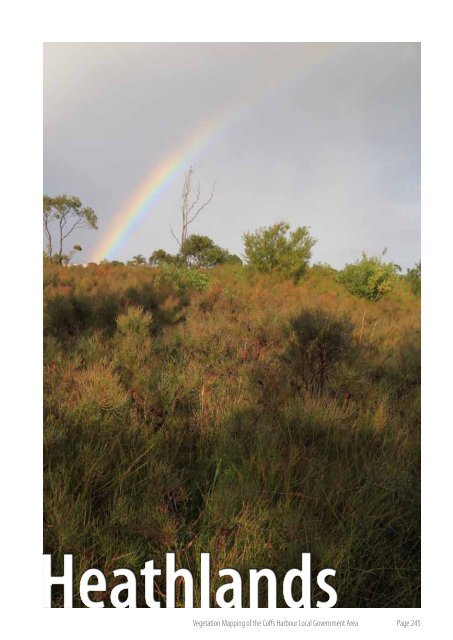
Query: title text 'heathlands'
<point>228,595</point>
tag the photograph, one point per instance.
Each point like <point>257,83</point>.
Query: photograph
<point>232,326</point>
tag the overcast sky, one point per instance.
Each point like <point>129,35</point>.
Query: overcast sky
<point>329,138</point>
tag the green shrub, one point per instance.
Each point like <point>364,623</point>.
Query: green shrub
<point>414,276</point>
<point>318,343</point>
<point>135,321</point>
<point>277,249</point>
<point>369,278</point>
<point>98,398</point>
<point>186,278</point>
<point>132,339</point>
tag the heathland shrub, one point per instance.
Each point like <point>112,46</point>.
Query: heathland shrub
<point>318,343</point>
<point>369,278</point>
<point>193,434</point>
<point>186,278</point>
<point>405,372</point>
<point>93,348</point>
<point>98,397</point>
<point>414,276</point>
<point>135,321</point>
<point>81,299</point>
<point>132,338</point>
<point>277,249</point>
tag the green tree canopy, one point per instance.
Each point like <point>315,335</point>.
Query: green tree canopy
<point>160,257</point>
<point>278,249</point>
<point>137,260</point>
<point>201,251</point>
<point>61,216</point>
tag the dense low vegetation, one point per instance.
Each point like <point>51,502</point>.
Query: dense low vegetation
<point>235,412</point>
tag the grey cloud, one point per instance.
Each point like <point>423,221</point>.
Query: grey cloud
<point>335,144</point>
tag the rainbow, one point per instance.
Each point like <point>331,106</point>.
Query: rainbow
<point>154,184</point>
<point>158,179</point>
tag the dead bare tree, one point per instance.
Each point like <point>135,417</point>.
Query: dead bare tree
<point>190,210</point>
